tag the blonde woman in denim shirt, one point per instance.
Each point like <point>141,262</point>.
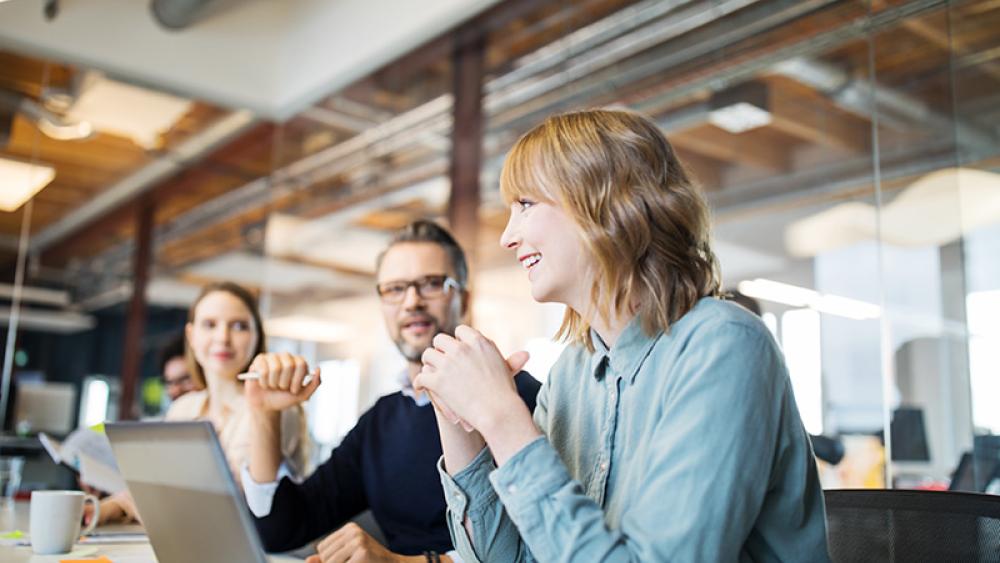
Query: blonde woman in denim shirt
<point>667,430</point>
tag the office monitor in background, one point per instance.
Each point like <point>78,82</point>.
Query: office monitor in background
<point>909,435</point>
<point>45,407</point>
<point>974,473</point>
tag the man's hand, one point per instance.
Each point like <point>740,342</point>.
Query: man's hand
<point>281,382</point>
<point>351,543</point>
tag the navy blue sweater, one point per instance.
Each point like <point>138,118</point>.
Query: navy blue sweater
<point>386,463</point>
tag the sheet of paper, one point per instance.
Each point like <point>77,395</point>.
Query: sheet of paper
<point>86,441</point>
<point>52,446</point>
<point>99,475</point>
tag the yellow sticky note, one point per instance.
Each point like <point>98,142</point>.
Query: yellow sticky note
<point>101,559</point>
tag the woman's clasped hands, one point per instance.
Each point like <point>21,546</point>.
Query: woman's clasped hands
<point>468,379</point>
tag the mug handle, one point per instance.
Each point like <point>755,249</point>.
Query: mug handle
<point>97,514</point>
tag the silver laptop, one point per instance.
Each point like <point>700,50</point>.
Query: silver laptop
<point>190,505</point>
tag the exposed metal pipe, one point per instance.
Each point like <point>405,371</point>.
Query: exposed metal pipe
<point>432,119</point>
<point>177,14</point>
<point>583,40</point>
<point>855,96</point>
<point>829,181</point>
<point>41,295</point>
<point>48,122</point>
<point>46,320</point>
<point>428,121</point>
<point>582,70</point>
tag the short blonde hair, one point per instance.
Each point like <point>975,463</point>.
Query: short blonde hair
<point>643,221</point>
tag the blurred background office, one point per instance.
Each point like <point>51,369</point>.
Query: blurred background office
<point>849,150</point>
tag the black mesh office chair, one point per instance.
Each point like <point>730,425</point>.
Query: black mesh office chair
<point>912,526</point>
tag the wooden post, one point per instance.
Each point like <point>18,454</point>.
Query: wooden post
<point>466,138</point>
<point>135,320</point>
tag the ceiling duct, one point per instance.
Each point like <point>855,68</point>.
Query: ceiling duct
<point>59,322</point>
<point>862,97</point>
<point>177,14</point>
<point>48,122</point>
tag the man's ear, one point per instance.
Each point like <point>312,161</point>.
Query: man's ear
<point>464,304</point>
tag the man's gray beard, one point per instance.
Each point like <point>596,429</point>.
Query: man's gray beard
<point>411,353</point>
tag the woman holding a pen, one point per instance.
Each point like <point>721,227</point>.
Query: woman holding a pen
<point>223,336</point>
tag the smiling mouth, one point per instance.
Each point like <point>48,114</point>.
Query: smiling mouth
<point>530,260</point>
<point>418,325</point>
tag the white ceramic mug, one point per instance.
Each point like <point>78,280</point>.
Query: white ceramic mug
<point>55,520</point>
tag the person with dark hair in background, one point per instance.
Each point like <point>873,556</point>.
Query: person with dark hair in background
<point>386,463</point>
<point>173,368</point>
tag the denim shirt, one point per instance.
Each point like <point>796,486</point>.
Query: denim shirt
<point>684,446</point>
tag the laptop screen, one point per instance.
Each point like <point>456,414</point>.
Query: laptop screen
<point>188,500</point>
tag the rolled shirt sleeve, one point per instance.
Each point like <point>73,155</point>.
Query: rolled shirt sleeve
<point>260,496</point>
<point>469,493</point>
<point>698,455</point>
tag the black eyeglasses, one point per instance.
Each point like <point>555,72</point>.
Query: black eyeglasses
<point>428,287</point>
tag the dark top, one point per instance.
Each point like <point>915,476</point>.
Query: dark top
<point>386,463</point>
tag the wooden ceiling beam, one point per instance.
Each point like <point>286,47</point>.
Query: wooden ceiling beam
<point>102,151</point>
<point>937,33</point>
<point>816,121</point>
<point>710,141</point>
<point>706,171</point>
<point>28,76</point>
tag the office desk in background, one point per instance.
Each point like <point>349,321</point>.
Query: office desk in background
<point>128,550</point>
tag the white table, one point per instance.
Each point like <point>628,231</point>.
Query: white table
<point>126,552</point>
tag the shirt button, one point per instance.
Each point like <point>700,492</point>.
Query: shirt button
<point>604,466</point>
<point>512,489</point>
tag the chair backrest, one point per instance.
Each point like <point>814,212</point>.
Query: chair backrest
<point>912,526</point>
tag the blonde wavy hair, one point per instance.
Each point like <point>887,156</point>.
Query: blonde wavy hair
<point>644,222</point>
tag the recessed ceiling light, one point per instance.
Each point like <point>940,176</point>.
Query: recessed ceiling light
<point>20,181</point>
<point>739,117</point>
<point>740,108</point>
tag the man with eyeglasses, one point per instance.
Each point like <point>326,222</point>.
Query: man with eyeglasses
<point>387,462</point>
<point>176,379</point>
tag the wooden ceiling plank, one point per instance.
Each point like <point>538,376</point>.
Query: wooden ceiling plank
<point>100,151</point>
<point>937,33</point>
<point>715,143</point>
<point>25,75</point>
<point>817,123</point>
<point>706,171</point>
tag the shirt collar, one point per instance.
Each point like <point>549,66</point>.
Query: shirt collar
<point>407,389</point>
<point>628,353</point>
